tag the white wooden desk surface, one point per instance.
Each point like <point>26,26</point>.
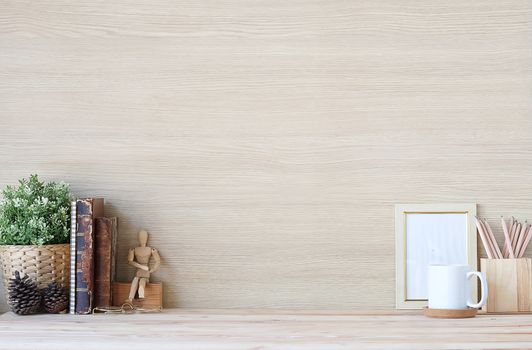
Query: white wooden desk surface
<point>264,329</point>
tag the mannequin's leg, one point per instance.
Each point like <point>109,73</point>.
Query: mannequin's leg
<point>142,285</point>
<point>133,290</point>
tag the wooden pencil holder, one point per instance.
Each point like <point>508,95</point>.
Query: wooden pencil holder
<point>509,284</point>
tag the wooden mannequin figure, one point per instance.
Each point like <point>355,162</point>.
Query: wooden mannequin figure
<point>140,258</point>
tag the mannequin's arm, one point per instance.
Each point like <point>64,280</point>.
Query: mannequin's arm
<point>131,261</point>
<point>157,259</point>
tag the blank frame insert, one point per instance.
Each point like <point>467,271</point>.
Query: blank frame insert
<point>432,239</point>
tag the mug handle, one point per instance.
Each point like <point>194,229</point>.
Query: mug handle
<point>483,287</point>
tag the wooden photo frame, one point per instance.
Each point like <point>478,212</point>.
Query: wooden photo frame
<point>428,234</point>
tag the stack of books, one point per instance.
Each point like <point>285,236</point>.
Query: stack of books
<point>92,256</point>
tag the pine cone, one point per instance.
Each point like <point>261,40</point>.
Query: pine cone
<point>24,298</point>
<point>55,298</point>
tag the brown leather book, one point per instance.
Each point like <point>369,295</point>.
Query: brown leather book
<point>87,210</point>
<point>114,236</point>
<point>102,262</point>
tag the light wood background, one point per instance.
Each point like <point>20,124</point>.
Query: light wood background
<point>264,143</point>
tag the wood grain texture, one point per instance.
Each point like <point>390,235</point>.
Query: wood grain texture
<point>264,143</point>
<point>509,284</point>
<point>265,329</point>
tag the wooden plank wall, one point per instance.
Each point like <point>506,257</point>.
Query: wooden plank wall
<point>264,143</point>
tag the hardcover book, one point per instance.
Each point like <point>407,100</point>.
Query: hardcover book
<point>114,236</point>
<point>104,248</point>
<point>86,211</point>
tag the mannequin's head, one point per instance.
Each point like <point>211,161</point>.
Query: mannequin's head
<point>143,238</point>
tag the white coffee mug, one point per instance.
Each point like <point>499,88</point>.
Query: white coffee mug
<point>449,287</point>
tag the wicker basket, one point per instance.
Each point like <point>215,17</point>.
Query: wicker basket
<point>42,263</point>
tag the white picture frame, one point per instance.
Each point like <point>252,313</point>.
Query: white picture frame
<point>431,234</point>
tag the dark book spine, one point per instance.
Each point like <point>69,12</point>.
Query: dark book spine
<point>114,249</point>
<point>102,262</point>
<point>86,210</point>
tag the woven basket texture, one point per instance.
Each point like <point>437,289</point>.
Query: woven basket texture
<point>44,264</point>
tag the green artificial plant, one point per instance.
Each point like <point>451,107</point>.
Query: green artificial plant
<point>35,213</point>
